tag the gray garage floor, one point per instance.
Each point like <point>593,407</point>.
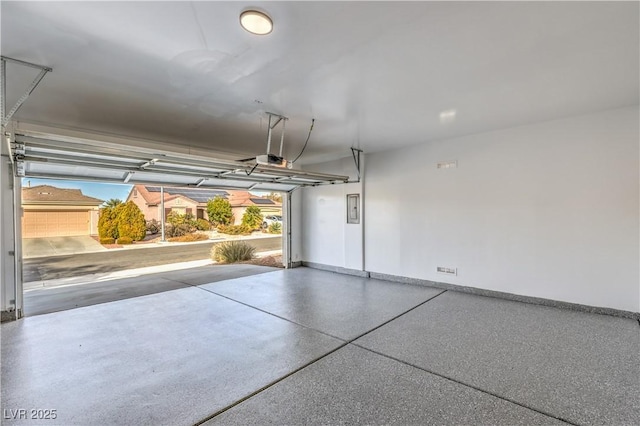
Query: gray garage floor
<point>311,347</point>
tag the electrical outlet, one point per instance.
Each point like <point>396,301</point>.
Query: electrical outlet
<point>448,271</point>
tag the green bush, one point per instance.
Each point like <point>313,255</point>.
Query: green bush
<point>219,211</point>
<point>125,240</point>
<point>189,238</point>
<point>232,251</point>
<point>107,240</point>
<point>252,217</point>
<point>131,223</point>
<point>275,228</point>
<point>203,225</point>
<point>175,218</point>
<point>235,229</point>
<point>108,222</point>
<point>177,230</point>
<point>122,220</point>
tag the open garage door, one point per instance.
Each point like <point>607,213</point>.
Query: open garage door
<point>51,156</point>
<point>44,155</point>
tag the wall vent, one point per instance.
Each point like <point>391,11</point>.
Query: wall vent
<point>448,165</point>
<point>448,271</point>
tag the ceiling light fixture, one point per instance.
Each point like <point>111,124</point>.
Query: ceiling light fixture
<point>256,22</point>
<point>448,116</point>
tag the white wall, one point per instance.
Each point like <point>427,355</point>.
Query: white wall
<point>327,238</point>
<point>548,210</point>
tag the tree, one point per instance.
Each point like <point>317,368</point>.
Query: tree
<point>122,220</point>
<point>108,222</point>
<point>219,211</point>
<point>274,196</point>
<point>112,203</point>
<point>131,221</point>
<point>252,217</point>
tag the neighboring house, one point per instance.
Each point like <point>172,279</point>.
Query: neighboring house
<point>57,212</point>
<point>194,201</point>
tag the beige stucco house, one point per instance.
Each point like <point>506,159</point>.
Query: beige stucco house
<point>57,212</point>
<point>194,201</point>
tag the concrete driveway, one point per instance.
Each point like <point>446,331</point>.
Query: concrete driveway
<point>54,246</point>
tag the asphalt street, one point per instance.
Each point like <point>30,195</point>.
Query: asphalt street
<point>54,267</point>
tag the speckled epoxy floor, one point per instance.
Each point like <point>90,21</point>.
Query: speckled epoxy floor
<point>312,347</point>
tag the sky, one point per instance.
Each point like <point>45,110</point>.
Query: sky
<point>102,191</point>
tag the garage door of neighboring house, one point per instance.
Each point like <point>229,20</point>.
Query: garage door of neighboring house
<point>37,224</point>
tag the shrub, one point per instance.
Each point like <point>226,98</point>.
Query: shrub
<point>189,238</point>
<point>219,211</point>
<point>235,229</point>
<point>232,251</point>
<point>177,230</point>
<point>252,217</point>
<point>108,222</point>
<point>275,228</point>
<point>181,219</point>
<point>122,220</point>
<point>131,223</point>
<point>125,240</point>
<point>153,226</point>
<point>203,225</point>
<point>107,240</point>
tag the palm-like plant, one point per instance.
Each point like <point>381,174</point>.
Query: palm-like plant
<point>114,202</point>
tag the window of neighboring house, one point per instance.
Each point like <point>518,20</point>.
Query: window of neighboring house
<point>135,193</point>
<point>189,210</point>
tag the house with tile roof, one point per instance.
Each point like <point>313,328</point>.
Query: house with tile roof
<point>57,212</point>
<point>194,201</point>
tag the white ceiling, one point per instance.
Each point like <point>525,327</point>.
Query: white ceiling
<point>374,75</point>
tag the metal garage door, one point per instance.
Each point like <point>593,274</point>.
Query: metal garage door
<point>37,224</point>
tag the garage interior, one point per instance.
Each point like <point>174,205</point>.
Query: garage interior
<point>461,218</point>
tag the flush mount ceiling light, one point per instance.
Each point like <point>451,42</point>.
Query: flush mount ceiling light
<point>256,22</point>
<point>448,116</point>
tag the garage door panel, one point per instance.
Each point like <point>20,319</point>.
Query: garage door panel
<point>38,224</point>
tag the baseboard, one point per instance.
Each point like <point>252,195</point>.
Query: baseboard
<point>509,296</point>
<point>296,264</point>
<point>337,269</point>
